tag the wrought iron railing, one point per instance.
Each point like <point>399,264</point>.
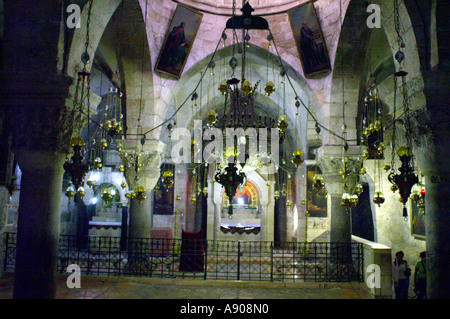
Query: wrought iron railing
<point>205,259</point>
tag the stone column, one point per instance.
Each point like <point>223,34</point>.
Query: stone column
<point>217,213</point>
<point>437,223</point>
<point>38,224</point>
<point>431,126</point>
<point>147,176</point>
<point>340,228</point>
<point>331,163</point>
<point>140,218</point>
<point>33,93</point>
<point>268,214</point>
<point>41,126</point>
<point>214,215</point>
<point>4,198</point>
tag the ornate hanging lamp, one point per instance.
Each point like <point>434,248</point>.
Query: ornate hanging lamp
<point>406,179</point>
<point>77,166</point>
<point>230,178</point>
<point>241,104</point>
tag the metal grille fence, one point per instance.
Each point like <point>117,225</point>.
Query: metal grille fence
<point>205,259</point>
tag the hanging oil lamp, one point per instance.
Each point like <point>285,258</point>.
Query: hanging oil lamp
<point>76,166</point>
<point>81,192</point>
<point>282,123</point>
<point>246,88</point>
<point>106,195</point>
<point>276,195</point>
<point>318,183</point>
<point>70,192</point>
<point>140,194</point>
<point>297,158</point>
<point>359,189</point>
<point>167,179</point>
<point>378,198</point>
<point>406,179</point>
<point>97,163</point>
<point>270,88</point>
<point>103,143</point>
<point>223,87</point>
<point>211,117</point>
<point>230,178</point>
<point>346,201</point>
<point>130,195</point>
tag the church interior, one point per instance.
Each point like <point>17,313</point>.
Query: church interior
<point>278,141</point>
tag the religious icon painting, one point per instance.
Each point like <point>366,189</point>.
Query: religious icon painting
<point>178,42</point>
<point>163,194</point>
<point>417,217</point>
<point>309,39</point>
<point>316,201</point>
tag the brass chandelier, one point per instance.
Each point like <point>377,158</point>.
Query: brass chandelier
<point>239,109</point>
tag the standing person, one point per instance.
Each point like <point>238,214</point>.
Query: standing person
<point>400,276</point>
<point>420,277</point>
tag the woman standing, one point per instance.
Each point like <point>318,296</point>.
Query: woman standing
<point>400,276</point>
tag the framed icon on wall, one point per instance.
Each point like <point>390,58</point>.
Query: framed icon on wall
<point>178,42</point>
<point>309,39</point>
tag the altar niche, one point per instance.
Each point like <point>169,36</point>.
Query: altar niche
<point>252,208</point>
<point>105,212</point>
<point>245,223</point>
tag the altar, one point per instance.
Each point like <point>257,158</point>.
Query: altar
<point>251,212</point>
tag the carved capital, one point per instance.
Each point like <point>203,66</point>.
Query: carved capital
<point>338,169</point>
<point>142,167</point>
<point>37,114</point>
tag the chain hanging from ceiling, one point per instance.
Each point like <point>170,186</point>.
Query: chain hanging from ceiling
<point>406,179</point>
<point>77,166</point>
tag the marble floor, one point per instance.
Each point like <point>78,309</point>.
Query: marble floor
<point>99,287</point>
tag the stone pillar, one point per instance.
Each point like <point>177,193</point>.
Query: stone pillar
<point>4,199</point>
<point>147,176</point>
<point>38,224</point>
<point>437,223</point>
<point>268,214</point>
<point>217,213</point>
<point>340,231</point>
<point>140,218</point>
<point>214,211</point>
<point>331,163</point>
<point>339,218</point>
<point>431,125</point>
<point>340,228</point>
<point>41,126</point>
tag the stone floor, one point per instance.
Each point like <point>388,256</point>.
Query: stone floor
<point>97,287</point>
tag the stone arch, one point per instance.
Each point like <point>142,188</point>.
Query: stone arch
<point>355,40</point>
<point>109,19</point>
<point>210,98</point>
<point>355,34</point>
<point>101,13</point>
